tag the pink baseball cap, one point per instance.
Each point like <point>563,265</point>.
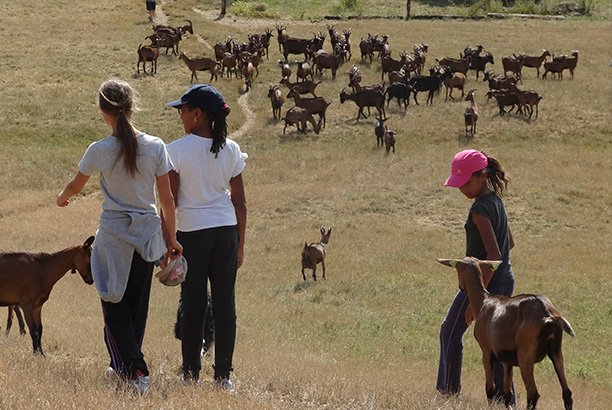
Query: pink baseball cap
<point>464,164</point>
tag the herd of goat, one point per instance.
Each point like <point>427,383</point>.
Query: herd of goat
<point>404,76</point>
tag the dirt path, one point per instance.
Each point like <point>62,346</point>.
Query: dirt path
<point>243,100</point>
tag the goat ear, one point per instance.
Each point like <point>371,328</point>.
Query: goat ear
<point>448,262</point>
<point>89,241</point>
<point>491,264</point>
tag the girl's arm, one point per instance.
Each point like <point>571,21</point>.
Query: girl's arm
<point>74,187</point>
<point>490,243</point>
<point>239,201</point>
<point>511,238</point>
<point>166,201</point>
<point>174,184</point>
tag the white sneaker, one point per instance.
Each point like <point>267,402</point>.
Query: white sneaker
<point>224,384</point>
<point>140,383</point>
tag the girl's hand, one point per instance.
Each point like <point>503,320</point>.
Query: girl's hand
<point>175,249</point>
<point>469,315</point>
<point>240,256</point>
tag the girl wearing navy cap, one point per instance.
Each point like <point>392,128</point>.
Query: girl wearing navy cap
<point>212,214</point>
<point>488,236</point>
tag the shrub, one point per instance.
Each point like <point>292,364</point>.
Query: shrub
<point>247,9</point>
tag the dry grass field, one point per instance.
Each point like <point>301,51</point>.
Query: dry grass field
<point>367,337</point>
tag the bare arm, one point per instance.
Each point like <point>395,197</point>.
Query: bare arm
<point>166,201</point>
<point>74,187</point>
<point>239,201</point>
<point>490,243</point>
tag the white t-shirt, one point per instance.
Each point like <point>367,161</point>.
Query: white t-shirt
<point>204,199</point>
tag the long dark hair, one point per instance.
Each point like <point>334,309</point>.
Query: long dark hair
<point>496,176</point>
<point>116,97</point>
<point>219,127</point>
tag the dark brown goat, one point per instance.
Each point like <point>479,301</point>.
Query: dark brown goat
<point>517,331</point>
<point>302,87</point>
<point>457,65</point>
<point>514,65</point>
<point>27,279</point>
<point>299,116</point>
<point>317,105</point>
<point>366,98</point>
<point>535,61</point>
<point>314,253</point>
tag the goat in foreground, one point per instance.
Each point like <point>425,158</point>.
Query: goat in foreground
<point>27,279</point>
<point>517,331</point>
<point>315,253</point>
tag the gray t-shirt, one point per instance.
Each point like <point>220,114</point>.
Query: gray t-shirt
<point>121,191</point>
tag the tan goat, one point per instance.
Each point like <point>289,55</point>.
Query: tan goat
<point>147,53</point>
<point>200,64</point>
<point>517,331</point>
<point>314,253</point>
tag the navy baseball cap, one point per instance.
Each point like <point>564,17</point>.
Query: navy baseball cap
<point>204,96</point>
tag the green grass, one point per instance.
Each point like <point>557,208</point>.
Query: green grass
<point>367,337</point>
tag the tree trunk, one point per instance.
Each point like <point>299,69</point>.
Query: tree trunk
<point>223,6</point>
<point>408,9</point>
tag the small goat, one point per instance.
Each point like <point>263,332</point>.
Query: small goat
<point>28,278</point>
<point>401,91</point>
<point>285,68</point>
<point>471,114</point>
<point>514,65</point>
<point>379,131</point>
<point>200,64</point>
<point>314,253</point>
<point>247,74</point>
<point>456,81</point>
<point>389,137</point>
<point>276,100</point>
<point>517,331</point>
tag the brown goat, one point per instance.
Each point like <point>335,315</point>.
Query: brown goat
<point>389,137</point>
<point>317,105</point>
<point>514,65</point>
<point>471,114</point>
<point>276,100</point>
<point>517,331</point>
<point>200,64</point>
<point>27,279</point>
<point>366,98</point>
<point>456,81</point>
<point>299,116</point>
<point>302,87</point>
<point>147,53</point>
<point>314,253</point>
<point>247,74</point>
<point>304,71</point>
<point>535,61</point>
<point>282,35</point>
<point>230,60</point>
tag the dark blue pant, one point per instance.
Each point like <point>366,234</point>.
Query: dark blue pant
<point>125,321</point>
<point>212,255</point>
<point>451,346</point>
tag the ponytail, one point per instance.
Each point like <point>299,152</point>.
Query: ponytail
<point>496,176</point>
<point>117,98</point>
<point>219,129</point>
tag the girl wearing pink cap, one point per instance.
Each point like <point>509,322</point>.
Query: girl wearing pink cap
<point>488,236</point>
